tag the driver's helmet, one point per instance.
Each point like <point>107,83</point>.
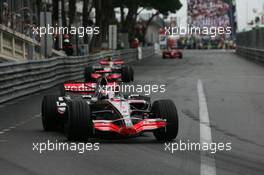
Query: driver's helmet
<point>109,58</point>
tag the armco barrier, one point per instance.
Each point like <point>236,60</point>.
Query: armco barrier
<point>250,44</point>
<point>24,78</point>
<point>251,53</point>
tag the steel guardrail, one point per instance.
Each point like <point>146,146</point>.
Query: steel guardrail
<point>250,44</point>
<point>24,78</point>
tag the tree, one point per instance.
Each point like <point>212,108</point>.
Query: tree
<point>163,7</point>
<point>105,14</point>
<point>72,11</point>
<point>86,16</point>
<point>55,9</point>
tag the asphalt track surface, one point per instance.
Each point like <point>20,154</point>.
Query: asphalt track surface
<point>232,86</point>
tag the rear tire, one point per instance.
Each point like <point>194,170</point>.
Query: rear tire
<point>125,74</point>
<point>131,70</point>
<point>180,55</point>
<point>50,119</point>
<point>79,126</point>
<point>166,109</point>
<point>87,74</point>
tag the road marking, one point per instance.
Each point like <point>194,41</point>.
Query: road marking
<point>6,130</point>
<point>3,131</point>
<point>207,160</point>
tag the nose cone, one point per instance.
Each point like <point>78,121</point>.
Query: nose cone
<point>128,131</point>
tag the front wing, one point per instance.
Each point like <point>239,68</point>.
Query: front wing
<point>141,126</point>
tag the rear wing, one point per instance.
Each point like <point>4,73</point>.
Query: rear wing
<point>80,87</point>
<point>118,61</point>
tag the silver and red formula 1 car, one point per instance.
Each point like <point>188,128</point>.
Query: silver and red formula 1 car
<point>172,53</point>
<point>112,70</point>
<point>89,110</point>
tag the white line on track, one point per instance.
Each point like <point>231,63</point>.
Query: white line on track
<point>3,131</point>
<point>207,161</point>
<point>6,130</point>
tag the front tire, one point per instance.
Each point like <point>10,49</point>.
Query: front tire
<point>62,90</point>
<point>166,109</point>
<point>79,126</point>
<point>50,119</point>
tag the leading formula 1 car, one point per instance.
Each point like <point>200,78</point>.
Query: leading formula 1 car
<point>113,70</point>
<point>172,53</point>
<point>87,111</point>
